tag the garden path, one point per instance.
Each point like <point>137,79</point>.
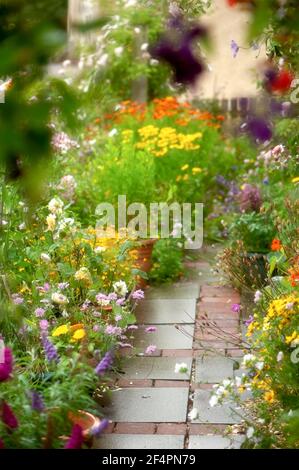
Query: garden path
<point>150,407</point>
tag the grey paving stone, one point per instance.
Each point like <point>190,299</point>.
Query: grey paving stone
<point>220,414</point>
<point>166,337</point>
<point>156,368</point>
<point>215,442</point>
<point>158,311</point>
<point>180,290</point>
<point>139,441</point>
<point>147,405</point>
<point>213,368</point>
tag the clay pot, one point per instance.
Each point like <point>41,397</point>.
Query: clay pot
<point>86,420</point>
<point>143,261</point>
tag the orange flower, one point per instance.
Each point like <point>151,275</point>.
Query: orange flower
<point>77,326</point>
<point>294,279</point>
<point>276,245</point>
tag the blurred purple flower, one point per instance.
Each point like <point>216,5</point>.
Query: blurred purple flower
<point>44,325</point>
<point>151,349</point>
<point>236,308</point>
<point>259,129</point>
<point>249,320</point>
<point>17,299</point>
<point>8,416</point>
<point>97,431</point>
<point>150,329</point>
<point>234,48</point>
<point>39,312</point>
<point>138,294</point>
<point>250,198</point>
<point>175,48</point>
<point>6,365</point>
<point>49,349</point>
<point>37,402</point>
<point>105,363</point>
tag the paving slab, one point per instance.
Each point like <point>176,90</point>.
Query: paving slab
<point>181,290</point>
<point>166,337</point>
<point>220,414</point>
<point>158,368</point>
<point>214,442</point>
<point>134,441</point>
<point>157,311</point>
<point>213,368</point>
<point>148,405</point>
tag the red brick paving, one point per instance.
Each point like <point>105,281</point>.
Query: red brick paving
<point>135,428</point>
<point>171,429</point>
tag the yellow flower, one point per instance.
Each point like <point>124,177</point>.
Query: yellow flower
<point>60,330</point>
<point>269,396</point>
<point>196,170</point>
<point>51,222</point>
<point>79,334</point>
<point>292,337</point>
<point>185,167</point>
<point>295,180</point>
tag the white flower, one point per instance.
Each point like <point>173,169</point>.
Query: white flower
<point>118,51</point>
<point>46,258</point>
<point>238,381</point>
<point>279,356</point>
<point>67,222</point>
<point>137,30</point>
<point>250,432</point>
<point>22,226</point>
<point>103,60</point>
<point>248,359</point>
<point>65,314</point>
<point>58,298</point>
<point>144,47</point>
<point>257,296</point>
<point>100,249</point>
<point>226,383</point>
<point>113,132</point>
<point>213,401</point>
<point>120,288</point>
<point>259,365</point>
<point>55,205</point>
<point>51,222</point>
<point>181,368</point>
<point>193,414</point>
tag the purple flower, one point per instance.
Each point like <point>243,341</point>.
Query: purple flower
<point>150,329</point>
<point>249,320</point>
<point>105,363</point>
<point>44,325</point>
<point>118,317</point>
<point>113,330</point>
<point>236,308</point>
<point>259,129</point>
<point>120,301</point>
<point>234,48</point>
<point>39,312</point>
<point>175,48</point>
<point>138,294</point>
<point>150,349</point>
<point>112,296</point>
<point>132,327</point>
<point>125,345</point>
<point>17,299</point>
<point>6,364</point>
<point>97,431</point>
<point>49,349</point>
<point>37,402</point>
<point>63,285</point>
<point>76,439</point>
<point>96,328</point>
<point>250,198</point>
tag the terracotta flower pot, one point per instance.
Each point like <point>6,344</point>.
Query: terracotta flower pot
<point>143,261</point>
<point>86,420</point>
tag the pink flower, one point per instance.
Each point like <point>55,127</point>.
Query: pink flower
<point>150,329</point>
<point>236,308</point>
<point>76,439</point>
<point>17,299</point>
<point>138,294</point>
<point>8,417</point>
<point>44,324</point>
<point>118,317</point>
<point>132,327</point>
<point>39,312</point>
<point>96,328</point>
<point>6,366</point>
<point>150,349</point>
<point>120,301</point>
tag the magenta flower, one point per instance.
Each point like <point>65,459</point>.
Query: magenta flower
<point>150,329</point>
<point>6,365</point>
<point>44,325</point>
<point>76,439</point>
<point>236,308</point>
<point>151,349</point>
<point>8,417</point>
<point>249,320</point>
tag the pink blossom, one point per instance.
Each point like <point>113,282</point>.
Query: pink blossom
<point>120,301</point>
<point>39,312</point>
<point>44,324</point>
<point>6,366</point>
<point>150,349</point>
<point>150,329</point>
<point>138,294</point>
<point>118,317</point>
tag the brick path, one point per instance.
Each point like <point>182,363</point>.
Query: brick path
<point>150,407</point>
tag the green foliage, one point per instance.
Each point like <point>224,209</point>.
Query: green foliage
<point>167,261</point>
<point>256,230</point>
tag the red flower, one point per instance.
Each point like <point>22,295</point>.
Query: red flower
<point>76,439</point>
<point>282,82</point>
<point>276,245</point>
<point>6,366</point>
<point>232,3</point>
<point>8,417</point>
<point>294,279</point>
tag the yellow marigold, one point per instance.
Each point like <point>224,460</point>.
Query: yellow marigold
<point>269,396</point>
<point>79,334</point>
<point>293,337</point>
<point>60,330</point>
